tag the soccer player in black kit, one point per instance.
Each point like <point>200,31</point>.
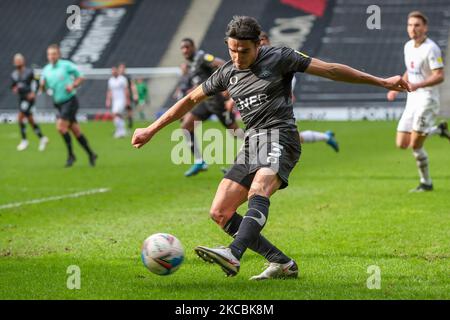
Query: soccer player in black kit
<point>258,79</point>
<point>200,65</point>
<point>25,85</point>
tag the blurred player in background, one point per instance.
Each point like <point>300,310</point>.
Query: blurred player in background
<point>25,85</point>
<point>117,98</point>
<point>199,66</point>
<point>269,118</point>
<point>424,71</point>
<point>307,136</point>
<point>61,78</point>
<point>143,98</point>
<point>132,93</point>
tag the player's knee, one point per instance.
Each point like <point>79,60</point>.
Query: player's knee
<point>218,215</point>
<point>416,144</point>
<point>62,129</point>
<point>258,190</point>
<point>402,145</point>
<point>187,125</point>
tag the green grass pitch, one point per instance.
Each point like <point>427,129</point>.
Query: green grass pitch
<point>341,214</point>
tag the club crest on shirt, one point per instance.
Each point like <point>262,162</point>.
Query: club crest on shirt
<point>233,80</point>
<point>265,74</point>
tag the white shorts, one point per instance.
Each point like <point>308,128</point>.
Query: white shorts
<point>419,114</point>
<point>118,107</point>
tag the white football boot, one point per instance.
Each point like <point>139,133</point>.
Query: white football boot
<point>221,256</point>
<point>278,271</point>
<point>43,143</point>
<point>22,145</point>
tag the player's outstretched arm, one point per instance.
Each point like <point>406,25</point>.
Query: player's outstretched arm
<point>392,94</point>
<point>341,72</point>
<point>436,77</point>
<point>76,83</point>
<point>41,85</point>
<point>143,135</point>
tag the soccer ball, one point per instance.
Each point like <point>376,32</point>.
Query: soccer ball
<point>162,253</point>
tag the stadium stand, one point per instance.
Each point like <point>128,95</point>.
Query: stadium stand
<point>140,39</point>
<point>30,38</point>
<point>333,30</point>
<point>347,40</point>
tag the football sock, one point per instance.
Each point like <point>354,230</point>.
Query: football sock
<point>122,126</point>
<point>313,136</point>
<point>422,165</point>
<point>37,130</point>
<point>261,245</point>
<point>23,130</point>
<point>68,141</point>
<point>251,225</point>
<point>84,143</point>
<point>117,123</point>
<point>190,138</point>
<point>434,131</point>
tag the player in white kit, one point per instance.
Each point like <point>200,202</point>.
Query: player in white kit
<point>424,71</point>
<point>117,98</point>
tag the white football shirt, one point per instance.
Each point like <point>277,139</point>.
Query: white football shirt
<point>118,86</point>
<point>421,61</point>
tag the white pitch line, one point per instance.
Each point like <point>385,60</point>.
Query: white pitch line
<point>54,198</point>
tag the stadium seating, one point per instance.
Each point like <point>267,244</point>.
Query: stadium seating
<point>140,40</point>
<point>347,40</point>
<point>43,26</point>
<point>144,34</point>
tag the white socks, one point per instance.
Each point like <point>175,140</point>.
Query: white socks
<point>313,136</point>
<point>119,123</point>
<point>422,165</point>
<point>434,131</point>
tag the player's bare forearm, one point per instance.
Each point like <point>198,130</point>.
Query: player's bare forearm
<point>405,76</point>
<point>344,73</point>
<point>41,86</point>
<point>134,90</point>
<point>178,110</point>
<point>436,78</point>
<point>392,94</point>
<point>217,62</point>
<point>77,82</point>
<point>108,99</point>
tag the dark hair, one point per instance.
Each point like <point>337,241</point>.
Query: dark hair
<point>263,35</point>
<point>188,40</point>
<point>53,46</point>
<point>420,15</point>
<point>243,28</point>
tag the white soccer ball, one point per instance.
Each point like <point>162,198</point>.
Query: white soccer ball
<point>162,253</point>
